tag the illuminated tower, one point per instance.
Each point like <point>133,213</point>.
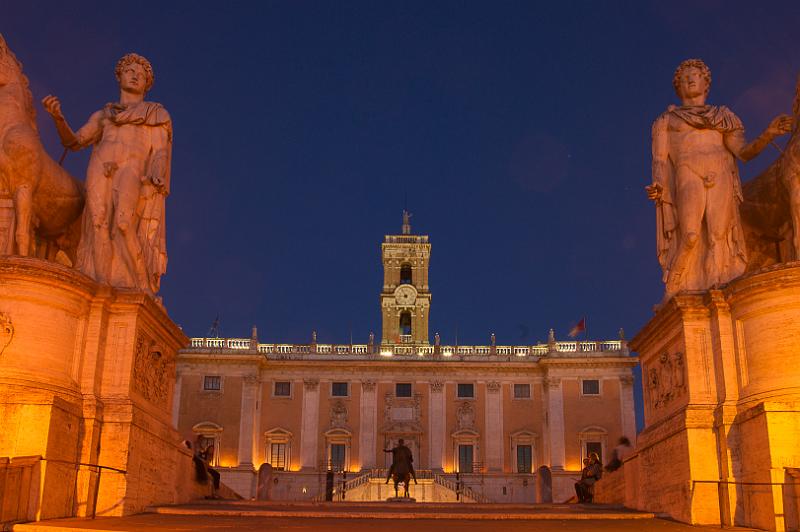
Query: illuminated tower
<point>406,297</point>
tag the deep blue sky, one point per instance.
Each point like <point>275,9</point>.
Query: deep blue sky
<point>519,132</point>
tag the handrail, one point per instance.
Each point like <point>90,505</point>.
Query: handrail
<point>85,465</point>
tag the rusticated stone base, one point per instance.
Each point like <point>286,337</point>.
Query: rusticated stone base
<point>86,377</point>
<point>722,405</point>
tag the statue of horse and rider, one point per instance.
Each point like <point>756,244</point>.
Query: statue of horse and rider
<point>402,469</point>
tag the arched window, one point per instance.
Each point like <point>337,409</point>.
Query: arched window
<point>406,276</point>
<point>405,323</point>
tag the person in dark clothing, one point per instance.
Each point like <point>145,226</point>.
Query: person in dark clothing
<point>590,474</point>
<point>202,459</point>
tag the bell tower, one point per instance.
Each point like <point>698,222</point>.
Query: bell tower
<point>406,297</point>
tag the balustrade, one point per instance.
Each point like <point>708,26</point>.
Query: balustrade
<point>539,350</point>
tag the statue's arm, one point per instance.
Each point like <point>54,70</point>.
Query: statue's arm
<point>660,150</point>
<point>159,165</point>
<point>736,142</point>
<point>70,139</point>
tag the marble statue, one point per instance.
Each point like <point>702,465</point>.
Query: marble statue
<point>696,186</point>
<point>127,181</point>
<point>40,203</point>
<point>771,207</point>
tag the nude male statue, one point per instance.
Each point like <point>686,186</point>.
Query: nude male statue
<point>122,241</point>
<point>696,184</point>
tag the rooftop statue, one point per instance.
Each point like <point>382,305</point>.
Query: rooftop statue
<point>771,208</point>
<point>46,201</point>
<point>128,178</point>
<point>696,184</point>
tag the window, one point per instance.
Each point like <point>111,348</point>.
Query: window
<point>277,456</point>
<point>212,382</point>
<point>402,389</point>
<point>278,449</point>
<point>208,437</point>
<point>283,389</point>
<point>405,274</point>
<point>466,390</point>
<point>465,458</point>
<point>595,447</point>
<point>522,391</point>
<point>591,387</point>
<point>524,459</point>
<point>339,389</point>
<point>405,323</point>
<point>338,453</point>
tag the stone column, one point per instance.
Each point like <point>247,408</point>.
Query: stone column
<point>494,426</point>
<point>250,385</point>
<point>436,426</point>
<point>626,404</point>
<point>176,401</point>
<point>369,423</point>
<point>555,423</point>
<point>310,424</point>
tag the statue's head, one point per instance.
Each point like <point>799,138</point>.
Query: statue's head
<point>136,59</point>
<point>692,75</point>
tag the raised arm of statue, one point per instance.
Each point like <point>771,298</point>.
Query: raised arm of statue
<point>736,142</point>
<point>71,140</point>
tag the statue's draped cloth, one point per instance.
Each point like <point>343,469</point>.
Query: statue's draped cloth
<point>725,121</point>
<point>151,209</point>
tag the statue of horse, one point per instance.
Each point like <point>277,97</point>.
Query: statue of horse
<point>47,200</point>
<point>401,473</point>
<point>771,207</point>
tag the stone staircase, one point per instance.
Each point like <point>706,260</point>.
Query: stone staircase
<point>430,487</point>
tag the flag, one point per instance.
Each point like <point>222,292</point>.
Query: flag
<point>579,328</point>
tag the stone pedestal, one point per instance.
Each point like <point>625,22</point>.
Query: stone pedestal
<point>86,377</point>
<point>722,402</point>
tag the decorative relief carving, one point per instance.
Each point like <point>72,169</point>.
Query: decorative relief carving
<point>402,414</point>
<point>667,380</point>
<point>368,386</point>
<point>339,415</point>
<point>310,384</point>
<point>437,386</point>
<point>493,386</point>
<point>6,331</point>
<point>153,370</point>
<point>626,380</point>
<point>465,416</point>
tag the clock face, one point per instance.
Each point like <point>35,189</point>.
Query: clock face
<point>405,295</point>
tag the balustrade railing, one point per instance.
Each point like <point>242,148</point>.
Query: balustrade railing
<point>403,349</point>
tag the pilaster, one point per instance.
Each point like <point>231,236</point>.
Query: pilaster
<point>310,424</point>
<point>436,423</point>
<point>250,385</point>
<point>494,426</point>
<point>369,421</point>
<point>555,423</point>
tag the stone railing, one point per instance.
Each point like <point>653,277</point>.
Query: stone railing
<point>574,348</point>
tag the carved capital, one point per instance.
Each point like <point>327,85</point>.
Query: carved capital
<point>252,379</point>
<point>493,386</point>
<point>368,386</point>
<point>552,382</point>
<point>437,386</point>
<point>626,380</point>
<point>310,384</point>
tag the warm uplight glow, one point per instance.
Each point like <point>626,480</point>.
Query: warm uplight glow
<point>386,352</point>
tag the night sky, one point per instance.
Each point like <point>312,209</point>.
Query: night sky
<point>518,134</point>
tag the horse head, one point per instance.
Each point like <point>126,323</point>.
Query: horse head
<point>11,73</point>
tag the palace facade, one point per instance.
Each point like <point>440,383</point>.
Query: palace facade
<point>480,420</point>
